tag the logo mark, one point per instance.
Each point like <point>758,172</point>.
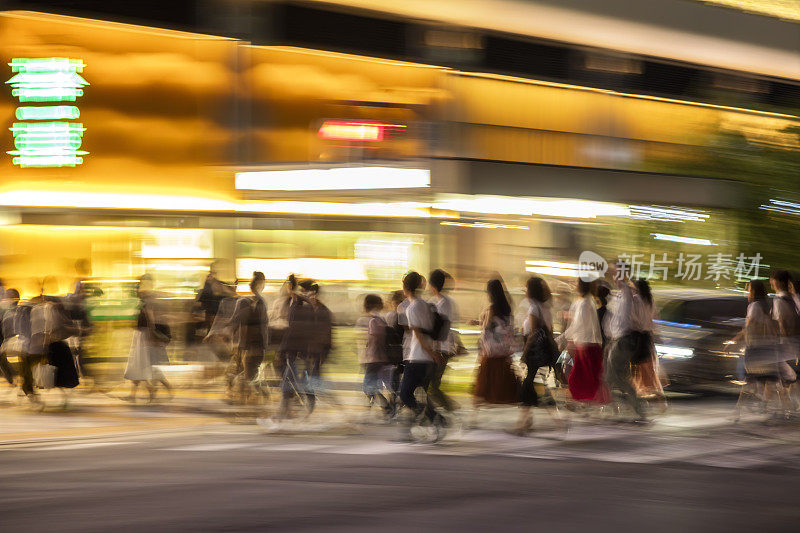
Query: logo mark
<point>591,266</point>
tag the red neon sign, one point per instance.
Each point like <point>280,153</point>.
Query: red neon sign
<point>348,130</point>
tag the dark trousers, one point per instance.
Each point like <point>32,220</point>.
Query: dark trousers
<point>26,364</point>
<point>313,377</point>
<point>6,370</point>
<point>527,393</point>
<point>397,374</point>
<point>435,392</point>
<point>292,382</point>
<point>251,360</point>
<point>416,375</point>
<point>618,371</point>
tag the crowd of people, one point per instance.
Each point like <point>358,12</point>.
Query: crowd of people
<point>603,361</point>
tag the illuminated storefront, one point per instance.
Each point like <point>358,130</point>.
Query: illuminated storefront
<point>193,148</point>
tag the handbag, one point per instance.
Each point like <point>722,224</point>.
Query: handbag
<point>44,376</point>
<point>641,346</point>
<point>497,340</point>
<point>540,349</point>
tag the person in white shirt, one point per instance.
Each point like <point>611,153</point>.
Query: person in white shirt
<point>584,340</point>
<point>420,359</point>
<point>621,329</point>
<point>496,382</point>
<point>446,347</point>
<point>537,328</point>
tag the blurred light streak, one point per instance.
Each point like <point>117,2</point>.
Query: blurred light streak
<point>486,225</point>
<point>671,213</point>
<point>502,205</point>
<point>176,251</point>
<point>157,202</point>
<point>179,268</point>
<point>557,268</point>
<point>322,179</point>
<point>782,206</point>
<point>113,281</point>
<point>677,324</point>
<point>674,352</point>
<point>318,268</point>
<point>686,240</point>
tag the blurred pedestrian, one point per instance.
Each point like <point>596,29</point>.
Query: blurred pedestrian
<point>759,364</point>
<point>8,340</point>
<point>251,323</point>
<point>77,310</point>
<point>445,345</point>
<point>279,310</point>
<point>623,343</point>
<point>16,327</point>
<point>646,372</point>
<point>540,348</point>
<point>584,341</point>
<point>210,296</point>
<point>396,345</point>
<point>787,317</point>
<point>50,327</point>
<point>320,341</point>
<point>373,329</point>
<point>148,347</point>
<point>293,349</point>
<point>496,382</point>
<point>420,358</point>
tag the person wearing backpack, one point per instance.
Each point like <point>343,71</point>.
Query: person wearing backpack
<point>395,345</point>
<point>250,322</point>
<point>420,358</point>
<point>444,314</point>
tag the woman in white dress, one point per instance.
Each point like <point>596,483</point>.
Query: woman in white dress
<point>147,347</point>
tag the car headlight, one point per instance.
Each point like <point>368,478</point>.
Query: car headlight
<point>666,351</point>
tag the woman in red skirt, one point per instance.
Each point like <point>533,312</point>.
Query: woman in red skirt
<point>584,339</point>
<point>496,382</point>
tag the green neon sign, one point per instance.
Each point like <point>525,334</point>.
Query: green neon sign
<point>52,112</point>
<point>53,143</point>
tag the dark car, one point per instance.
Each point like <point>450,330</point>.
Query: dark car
<point>693,327</point>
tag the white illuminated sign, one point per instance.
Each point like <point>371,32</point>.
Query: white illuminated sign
<point>328,179</point>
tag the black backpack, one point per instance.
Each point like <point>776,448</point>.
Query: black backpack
<point>441,326</point>
<point>794,326</point>
<point>393,340</point>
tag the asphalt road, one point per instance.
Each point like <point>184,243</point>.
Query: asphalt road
<point>679,476</point>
